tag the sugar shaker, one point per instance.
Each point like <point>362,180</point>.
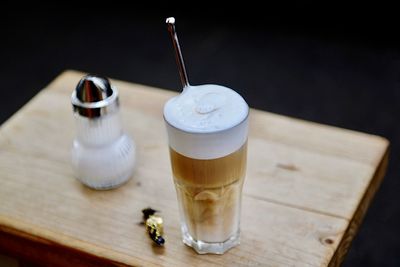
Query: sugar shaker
<point>103,156</point>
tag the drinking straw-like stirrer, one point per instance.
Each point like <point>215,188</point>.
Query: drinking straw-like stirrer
<point>178,53</point>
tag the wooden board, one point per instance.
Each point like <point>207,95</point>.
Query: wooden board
<point>307,189</point>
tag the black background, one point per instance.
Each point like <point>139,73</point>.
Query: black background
<point>336,64</point>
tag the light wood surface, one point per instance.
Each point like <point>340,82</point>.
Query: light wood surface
<point>307,189</point>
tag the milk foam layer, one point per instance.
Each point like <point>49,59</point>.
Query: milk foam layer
<point>206,108</point>
<point>206,121</point>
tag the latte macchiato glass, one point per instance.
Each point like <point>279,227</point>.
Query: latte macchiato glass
<point>207,129</point>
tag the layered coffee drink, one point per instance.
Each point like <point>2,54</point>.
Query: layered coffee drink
<point>209,193</point>
<point>207,130</point>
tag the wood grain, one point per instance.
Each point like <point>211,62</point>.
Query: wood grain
<point>307,189</point>
<point>357,218</point>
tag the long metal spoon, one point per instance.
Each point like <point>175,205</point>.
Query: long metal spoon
<point>178,53</point>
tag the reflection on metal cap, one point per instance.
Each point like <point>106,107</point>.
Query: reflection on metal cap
<point>94,97</point>
<point>93,88</point>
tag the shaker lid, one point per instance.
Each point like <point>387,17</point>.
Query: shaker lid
<point>93,88</point>
<point>94,96</point>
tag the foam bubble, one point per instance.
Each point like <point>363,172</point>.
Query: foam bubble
<point>206,121</point>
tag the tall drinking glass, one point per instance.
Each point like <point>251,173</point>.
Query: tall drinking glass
<point>207,128</point>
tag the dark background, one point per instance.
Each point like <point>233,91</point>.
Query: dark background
<point>334,64</point>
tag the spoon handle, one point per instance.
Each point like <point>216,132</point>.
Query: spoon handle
<point>178,53</point>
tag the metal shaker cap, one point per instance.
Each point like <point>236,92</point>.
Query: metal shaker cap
<point>94,96</point>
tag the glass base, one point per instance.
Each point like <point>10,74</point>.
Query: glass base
<point>202,247</point>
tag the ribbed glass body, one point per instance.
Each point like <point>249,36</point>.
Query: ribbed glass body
<point>103,157</point>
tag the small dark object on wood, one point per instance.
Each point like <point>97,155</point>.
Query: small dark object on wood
<point>154,225</point>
